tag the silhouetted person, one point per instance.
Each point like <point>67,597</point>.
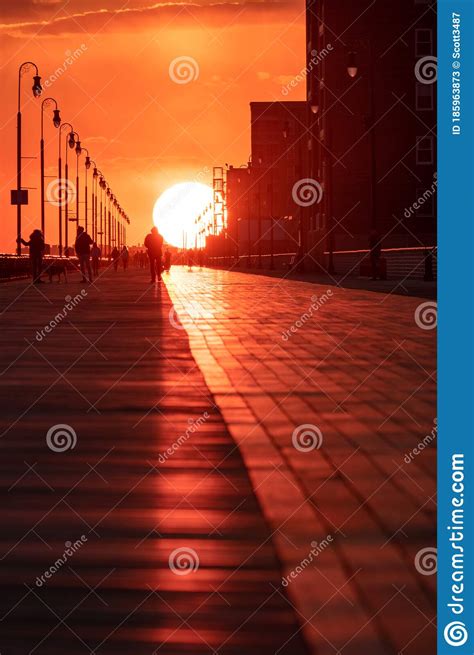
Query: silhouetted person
<point>154,245</point>
<point>36,246</point>
<point>201,257</point>
<point>167,264</point>
<point>375,246</point>
<point>190,258</point>
<point>115,257</point>
<point>82,246</point>
<point>124,257</point>
<point>95,255</point>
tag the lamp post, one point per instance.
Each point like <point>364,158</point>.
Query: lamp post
<point>352,71</point>
<point>74,142</point>
<point>57,124</point>
<point>60,179</point>
<point>37,90</point>
<point>110,198</point>
<point>87,164</point>
<point>79,151</point>
<point>102,184</point>
<point>302,162</point>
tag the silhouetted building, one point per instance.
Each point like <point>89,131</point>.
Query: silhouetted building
<point>260,207</point>
<point>372,103</point>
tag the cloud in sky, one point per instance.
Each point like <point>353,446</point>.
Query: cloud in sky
<point>60,18</point>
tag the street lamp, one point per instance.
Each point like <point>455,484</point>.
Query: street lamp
<point>47,102</point>
<point>87,165</point>
<point>37,90</point>
<point>60,181</point>
<point>352,71</point>
<point>78,150</point>
<point>73,140</point>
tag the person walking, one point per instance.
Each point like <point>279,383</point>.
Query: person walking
<point>375,247</point>
<point>36,246</point>
<point>115,257</point>
<point>82,246</point>
<point>96,254</point>
<point>124,257</point>
<point>154,245</point>
<point>167,263</point>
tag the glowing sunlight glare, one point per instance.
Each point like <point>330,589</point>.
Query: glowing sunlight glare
<point>176,212</point>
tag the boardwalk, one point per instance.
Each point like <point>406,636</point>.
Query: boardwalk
<point>145,537</point>
<point>253,469</point>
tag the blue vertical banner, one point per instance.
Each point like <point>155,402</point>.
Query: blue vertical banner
<point>455,327</point>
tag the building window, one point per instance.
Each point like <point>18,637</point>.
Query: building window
<point>425,150</point>
<point>423,42</point>
<point>424,97</point>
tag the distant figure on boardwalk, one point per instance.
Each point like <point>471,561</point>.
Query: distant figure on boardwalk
<point>36,246</point>
<point>95,255</point>
<point>201,257</point>
<point>82,246</point>
<point>190,258</point>
<point>124,255</point>
<point>115,257</point>
<point>154,245</point>
<point>375,247</point>
<point>167,264</point>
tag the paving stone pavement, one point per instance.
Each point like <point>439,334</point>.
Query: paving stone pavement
<point>330,395</point>
<point>129,524</point>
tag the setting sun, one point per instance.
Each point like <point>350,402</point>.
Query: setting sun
<point>183,212</point>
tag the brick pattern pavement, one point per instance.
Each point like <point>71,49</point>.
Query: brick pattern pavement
<point>330,395</point>
<point>136,530</point>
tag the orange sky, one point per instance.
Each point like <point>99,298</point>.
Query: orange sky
<point>145,131</point>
